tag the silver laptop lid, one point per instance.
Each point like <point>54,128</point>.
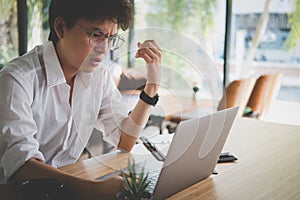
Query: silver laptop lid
<point>194,152</point>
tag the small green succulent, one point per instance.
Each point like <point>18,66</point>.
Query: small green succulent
<point>136,183</point>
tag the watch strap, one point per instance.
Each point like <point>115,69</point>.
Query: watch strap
<point>149,100</point>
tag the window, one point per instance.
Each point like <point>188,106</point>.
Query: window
<point>37,21</point>
<point>259,43</point>
<point>184,29</point>
<point>8,31</point>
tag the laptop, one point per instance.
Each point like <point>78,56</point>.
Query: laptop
<point>193,152</point>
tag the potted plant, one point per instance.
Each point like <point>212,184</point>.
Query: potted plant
<point>195,90</point>
<point>136,183</point>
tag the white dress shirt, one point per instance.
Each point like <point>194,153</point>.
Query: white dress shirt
<point>36,118</point>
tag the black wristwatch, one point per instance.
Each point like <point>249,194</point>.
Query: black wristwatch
<point>149,100</point>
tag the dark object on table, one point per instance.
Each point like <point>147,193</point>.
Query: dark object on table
<point>226,157</point>
<point>42,189</point>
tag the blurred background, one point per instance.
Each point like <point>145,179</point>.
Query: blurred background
<point>243,38</point>
<point>237,38</point>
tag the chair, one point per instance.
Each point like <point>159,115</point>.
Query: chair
<point>237,93</point>
<point>264,92</point>
<point>131,81</point>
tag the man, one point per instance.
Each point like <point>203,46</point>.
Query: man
<point>52,97</point>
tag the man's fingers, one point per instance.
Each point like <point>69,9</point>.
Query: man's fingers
<point>149,50</point>
<point>150,43</point>
<point>148,54</point>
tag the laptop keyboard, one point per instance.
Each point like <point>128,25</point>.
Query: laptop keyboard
<point>153,180</point>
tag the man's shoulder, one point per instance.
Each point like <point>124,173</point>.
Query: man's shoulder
<point>25,65</point>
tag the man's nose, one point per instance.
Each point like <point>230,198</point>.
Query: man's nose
<point>103,48</point>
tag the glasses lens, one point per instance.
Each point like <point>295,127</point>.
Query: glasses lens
<point>116,42</point>
<point>97,37</point>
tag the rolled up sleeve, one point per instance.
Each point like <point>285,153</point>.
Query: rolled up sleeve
<point>17,126</point>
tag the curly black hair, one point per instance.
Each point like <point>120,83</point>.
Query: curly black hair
<point>118,11</point>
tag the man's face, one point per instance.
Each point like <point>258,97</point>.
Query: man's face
<point>86,44</point>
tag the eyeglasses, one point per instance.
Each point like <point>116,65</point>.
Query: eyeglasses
<point>97,37</point>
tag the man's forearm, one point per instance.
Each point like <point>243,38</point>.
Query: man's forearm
<point>74,187</point>
<point>139,117</point>
<point>34,169</point>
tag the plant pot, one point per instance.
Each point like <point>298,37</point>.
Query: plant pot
<point>125,196</point>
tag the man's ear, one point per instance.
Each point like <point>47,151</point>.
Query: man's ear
<point>59,27</point>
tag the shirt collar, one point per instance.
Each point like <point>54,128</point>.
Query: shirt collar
<point>85,77</point>
<point>54,72</point>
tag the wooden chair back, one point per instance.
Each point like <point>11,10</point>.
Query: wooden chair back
<point>264,92</point>
<point>237,93</point>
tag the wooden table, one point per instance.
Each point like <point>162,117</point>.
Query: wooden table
<point>268,165</point>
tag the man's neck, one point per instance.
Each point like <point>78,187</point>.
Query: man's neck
<point>69,76</point>
<point>68,70</point>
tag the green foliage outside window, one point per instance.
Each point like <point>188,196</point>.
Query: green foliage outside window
<point>8,30</point>
<point>182,15</point>
<point>193,19</point>
<point>37,21</point>
<point>294,23</point>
